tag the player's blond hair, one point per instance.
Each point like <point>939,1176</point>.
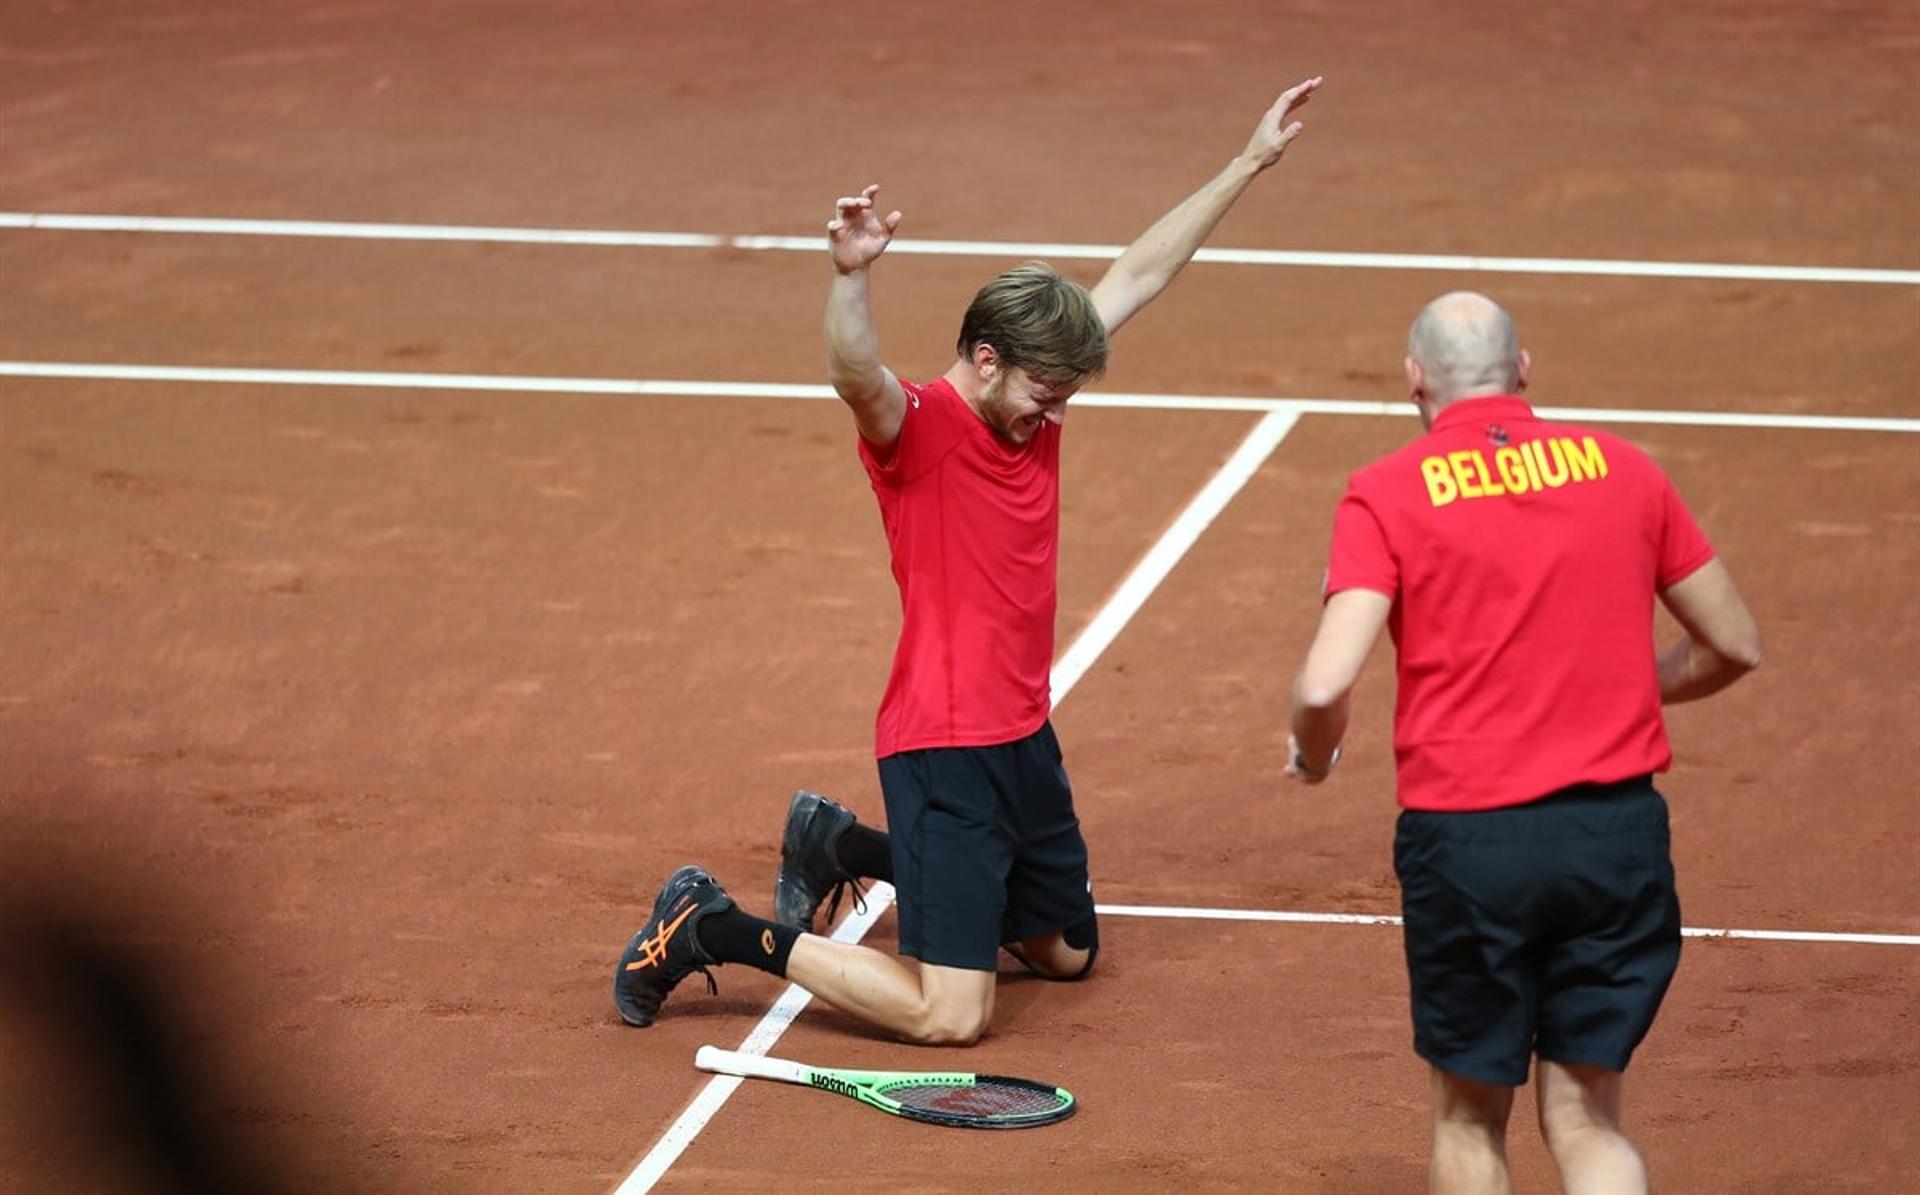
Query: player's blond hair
<point>1039,322</point>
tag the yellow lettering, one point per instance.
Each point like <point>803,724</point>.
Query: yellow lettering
<point>1488,485</point>
<point>1512,471</point>
<point>1554,473</point>
<point>1440,487</point>
<point>1463,475</point>
<point>1526,468</point>
<point>1533,471</point>
<point>1585,460</point>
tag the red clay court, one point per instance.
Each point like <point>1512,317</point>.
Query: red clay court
<point>411,562</point>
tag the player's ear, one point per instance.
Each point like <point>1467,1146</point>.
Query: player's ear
<point>986,360</point>
<point>1416,378</point>
<point>1523,369</point>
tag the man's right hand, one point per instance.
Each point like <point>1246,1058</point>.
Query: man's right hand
<point>857,235</point>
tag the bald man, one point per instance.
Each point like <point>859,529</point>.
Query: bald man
<point>1515,563</point>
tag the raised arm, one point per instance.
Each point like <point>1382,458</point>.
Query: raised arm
<point>1149,264</point>
<point>1349,624</point>
<point>856,237</point>
<point>1722,643</point>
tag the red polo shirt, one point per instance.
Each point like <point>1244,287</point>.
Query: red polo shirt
<point>973,524</point>
<point>1523,558</point>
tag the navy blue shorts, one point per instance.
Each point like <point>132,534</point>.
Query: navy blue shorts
<point>1549,928</point>
<point>986,850</point>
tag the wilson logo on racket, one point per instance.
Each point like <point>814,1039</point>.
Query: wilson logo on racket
<point>828,1083</point>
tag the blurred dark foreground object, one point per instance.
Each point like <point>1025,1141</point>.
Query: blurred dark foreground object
<point>108,1086</point>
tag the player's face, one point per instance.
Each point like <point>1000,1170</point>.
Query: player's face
<point>1015,405</point>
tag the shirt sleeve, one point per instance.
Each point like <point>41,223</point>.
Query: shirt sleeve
<point>927,432</point>
<point>1683,546</point>
<point>1361,557</point>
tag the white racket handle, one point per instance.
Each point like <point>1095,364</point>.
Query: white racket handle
<point>752,1066</point>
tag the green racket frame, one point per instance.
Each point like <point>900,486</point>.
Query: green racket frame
<point>872,1087</point>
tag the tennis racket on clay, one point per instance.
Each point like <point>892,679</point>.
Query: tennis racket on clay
<point>954,1099</point>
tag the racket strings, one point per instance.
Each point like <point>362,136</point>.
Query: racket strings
<point>985,1100</point>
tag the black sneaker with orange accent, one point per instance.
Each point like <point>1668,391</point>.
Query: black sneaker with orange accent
<point>809,868</point>
<point>668,949</point>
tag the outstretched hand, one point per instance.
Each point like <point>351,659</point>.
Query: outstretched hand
<point>857,235</point>
<point>1276,131</point>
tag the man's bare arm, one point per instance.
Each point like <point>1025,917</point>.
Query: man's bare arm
<point>1722,643</point>
<point>1150,263</point>
<point>1349,625</point>
<point>856,237</point>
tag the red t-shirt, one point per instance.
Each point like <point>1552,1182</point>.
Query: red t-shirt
<point>973,524</point>
<point>1523,558</point>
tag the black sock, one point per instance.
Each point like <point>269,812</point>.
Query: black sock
<point>735,936</point>
<point>866,853</point>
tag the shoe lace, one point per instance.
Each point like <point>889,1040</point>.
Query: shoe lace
<point>839,888</point>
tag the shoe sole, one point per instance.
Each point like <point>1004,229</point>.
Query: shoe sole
<point>801,811</point>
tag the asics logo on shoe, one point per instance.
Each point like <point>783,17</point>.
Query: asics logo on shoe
<point>654,949</point>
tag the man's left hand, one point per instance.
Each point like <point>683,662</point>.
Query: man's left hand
<point>1275,132</point>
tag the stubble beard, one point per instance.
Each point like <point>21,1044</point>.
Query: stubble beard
<point>999,415</point>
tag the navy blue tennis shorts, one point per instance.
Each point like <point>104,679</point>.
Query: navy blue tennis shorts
<point>986,850</point>
<point>1549,928</point>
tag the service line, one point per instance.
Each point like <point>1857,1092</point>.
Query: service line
<point>667,388</point>
<point>1185,913</point>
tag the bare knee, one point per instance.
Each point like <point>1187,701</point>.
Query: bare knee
<point>954,1008</point>
<point>1069,964</point>
<point>949,1024</point>
<point>1577,1099</point>
<point>1050,958</point>
<point>1469,1135</point>
<point>1464,1104</point>
<point>1580,1118</point>
<point>1062,955</point>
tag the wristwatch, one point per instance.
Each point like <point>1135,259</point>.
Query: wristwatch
<point>1299,765</point>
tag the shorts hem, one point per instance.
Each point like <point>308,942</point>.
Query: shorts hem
<point>1493,1076</point>
<point>1606,1062</point>
<point>919,956</point>
<point>992,966</point>
<point>1026,933</point>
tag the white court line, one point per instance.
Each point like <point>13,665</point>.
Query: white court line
<point>1125,602</point>
<point>664,388</point>
<point>359,231</point>
<point>1459,262</point>
<point>1198,914</point>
